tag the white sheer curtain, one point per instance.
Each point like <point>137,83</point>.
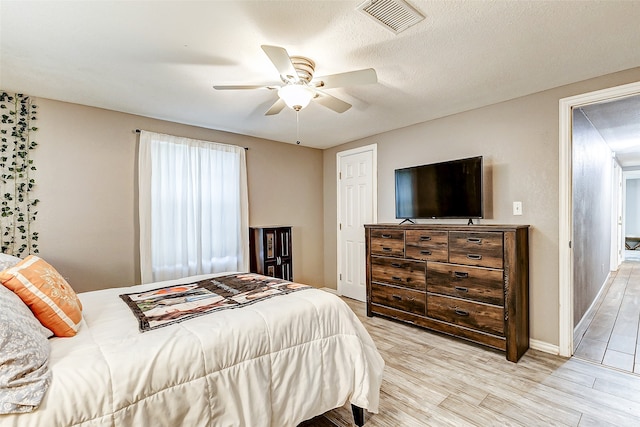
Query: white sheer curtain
<point>193,207</point>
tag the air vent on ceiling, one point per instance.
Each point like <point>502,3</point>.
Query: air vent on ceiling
<point>394,15</point>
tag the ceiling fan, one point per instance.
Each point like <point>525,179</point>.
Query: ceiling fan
<point>300,86</point>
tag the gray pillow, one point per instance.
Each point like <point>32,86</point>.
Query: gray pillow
<point>24,356</point>
<point>7,261</point>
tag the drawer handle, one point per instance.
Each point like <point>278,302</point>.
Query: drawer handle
<point>396,265</point>
<point>461,289</point>
<point>386,236</point>
<point>460,274</point>
<point>474,240</point>
<point>460,312</point>
<point>474,256</point>
<point>386,249</point>
<point>398,297</point>
<point>425,252</point>
<point>425,238</point>
<point>397,278</point>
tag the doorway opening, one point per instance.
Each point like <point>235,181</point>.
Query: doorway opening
<point>566,226</point>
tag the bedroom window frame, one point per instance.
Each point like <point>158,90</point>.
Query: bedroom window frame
<point>186,228</point>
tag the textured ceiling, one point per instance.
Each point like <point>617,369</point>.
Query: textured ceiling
<point>161,58</point>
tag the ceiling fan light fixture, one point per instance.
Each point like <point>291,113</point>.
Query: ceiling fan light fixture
<point>296,96</point>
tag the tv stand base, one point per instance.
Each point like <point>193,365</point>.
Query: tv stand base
<point>410,221</point>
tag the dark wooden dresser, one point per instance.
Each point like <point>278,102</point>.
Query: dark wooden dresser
<point>468,281</point>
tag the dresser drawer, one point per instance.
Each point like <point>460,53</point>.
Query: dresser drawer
<point>401,272</point>
<point>474,283</point>
<point>387,242</point>
<point>400,298</point>
<point>427,245</point>
<point>476,248</point>
<point>482,317</point>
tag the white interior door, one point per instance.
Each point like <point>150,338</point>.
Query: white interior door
<point>356,206</point>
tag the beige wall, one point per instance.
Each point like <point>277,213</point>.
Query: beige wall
<point>86,173</point>
<point>519,142</point>
<point>87,216</point>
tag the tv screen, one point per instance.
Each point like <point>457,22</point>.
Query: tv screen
<point>450,189</point>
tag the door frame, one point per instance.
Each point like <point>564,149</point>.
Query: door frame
<point>374,195</point>
<point>617,215</point>
<point>565,233</point>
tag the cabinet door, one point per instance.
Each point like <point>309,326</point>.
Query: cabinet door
<point>285,261</point>
<point>284,242</point>
<point>270,244</point>
<point>272,253</point>
<point>271,269</point>
<point>286,272</point>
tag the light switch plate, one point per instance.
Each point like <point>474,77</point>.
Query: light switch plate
<point>517,208</point>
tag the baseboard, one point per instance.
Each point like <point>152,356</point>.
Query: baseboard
<point>330,290</point>
<point>544,346</point>
<point>581,328</point>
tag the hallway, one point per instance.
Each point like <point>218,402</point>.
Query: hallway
<point>611,336</point>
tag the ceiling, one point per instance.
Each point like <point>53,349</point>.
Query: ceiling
<point>161,58</point>
<point>618,122</point>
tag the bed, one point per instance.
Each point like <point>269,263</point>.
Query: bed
<point>276,362</point>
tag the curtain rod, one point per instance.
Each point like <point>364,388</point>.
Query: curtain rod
<point>138,131</point>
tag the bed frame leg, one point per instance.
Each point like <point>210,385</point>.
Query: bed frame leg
<point>358,415</point>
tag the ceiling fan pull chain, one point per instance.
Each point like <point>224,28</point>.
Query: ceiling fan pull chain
<point>298,127</point>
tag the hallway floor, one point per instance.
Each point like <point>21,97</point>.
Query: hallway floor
<point>611,336</point>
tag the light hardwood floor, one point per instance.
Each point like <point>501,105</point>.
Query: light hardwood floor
<point>610,330</point>
<point>433,380</point>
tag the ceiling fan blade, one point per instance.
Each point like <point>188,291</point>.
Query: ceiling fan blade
<point>350,78</point>
<point>276,107</point>
<point>331,102</point>
<point>282,62</point>
<point>242,87</point>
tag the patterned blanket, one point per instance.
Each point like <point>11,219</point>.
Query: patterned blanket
<point>165,306</point>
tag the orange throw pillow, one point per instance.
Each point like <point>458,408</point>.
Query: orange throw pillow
<point>53,302</point>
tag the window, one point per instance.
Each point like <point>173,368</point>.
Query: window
<point>193,207</point>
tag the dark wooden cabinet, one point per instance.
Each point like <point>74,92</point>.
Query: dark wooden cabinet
<point>468,281</point>
<point>270,249</point>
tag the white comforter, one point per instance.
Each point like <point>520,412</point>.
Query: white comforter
<point>274,363</point>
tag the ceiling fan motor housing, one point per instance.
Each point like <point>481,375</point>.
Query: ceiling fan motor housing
<point>304,67</point>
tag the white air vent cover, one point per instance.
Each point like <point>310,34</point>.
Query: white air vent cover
<point>394,15</point>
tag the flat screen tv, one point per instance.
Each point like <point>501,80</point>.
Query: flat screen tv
<point>451,189</point>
